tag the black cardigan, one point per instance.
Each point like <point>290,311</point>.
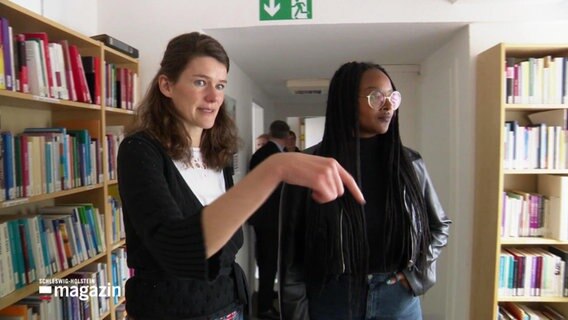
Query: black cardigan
<point>162,217</point>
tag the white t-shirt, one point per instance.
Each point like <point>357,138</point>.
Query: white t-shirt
<point>206,184</point>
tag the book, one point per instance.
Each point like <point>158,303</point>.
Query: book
<point>557,117</point>
<point>80,81</point>
<point>35,61</point>
<point>563,254</point>
<point>117,44</point>
<point>43,40</point>
<point>551,313</point>
<point>8,53</point>
<point>3,43</point>
<point>8,268</point>
<point>69,79</point>
<point>9,165</point>
<point>21,311</point>
<point>22,83</point>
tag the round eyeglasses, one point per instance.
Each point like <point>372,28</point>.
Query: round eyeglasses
<point>377,99</point>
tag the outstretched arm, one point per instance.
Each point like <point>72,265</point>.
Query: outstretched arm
<point>323,175</point>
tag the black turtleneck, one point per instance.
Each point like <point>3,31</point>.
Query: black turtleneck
<point>373,179</point>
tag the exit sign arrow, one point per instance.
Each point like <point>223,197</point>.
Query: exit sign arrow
<point>272,8</point>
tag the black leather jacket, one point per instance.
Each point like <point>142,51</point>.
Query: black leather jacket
<point>292,284</point>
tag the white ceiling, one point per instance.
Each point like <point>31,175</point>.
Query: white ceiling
<point>270,55</point>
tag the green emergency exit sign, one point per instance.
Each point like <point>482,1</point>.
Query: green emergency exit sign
<point>285,9</point>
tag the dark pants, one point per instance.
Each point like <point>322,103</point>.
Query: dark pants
<point>382,302</point>
<point>266,259</point>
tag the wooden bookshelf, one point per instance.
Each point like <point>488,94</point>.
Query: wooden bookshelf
<point>21,110</point>
<point>492,179</point>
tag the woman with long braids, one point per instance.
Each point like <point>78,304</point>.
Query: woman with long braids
<point>345,260</point>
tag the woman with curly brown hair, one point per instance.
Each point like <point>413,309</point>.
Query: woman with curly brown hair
<point>182,221</point>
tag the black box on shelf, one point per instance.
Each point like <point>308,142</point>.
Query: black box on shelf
<point>117,44</point>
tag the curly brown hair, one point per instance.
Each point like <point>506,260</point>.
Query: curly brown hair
<point>156,115</point>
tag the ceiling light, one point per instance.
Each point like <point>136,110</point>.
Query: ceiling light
<point>308,86</point>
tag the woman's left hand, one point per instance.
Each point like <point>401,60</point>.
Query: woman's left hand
<point>399,277</point>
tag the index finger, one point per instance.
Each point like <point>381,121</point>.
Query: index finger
<point>351,185</point>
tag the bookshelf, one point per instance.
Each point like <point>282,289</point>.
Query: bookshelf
<point>23,110</point>
<point>492,179</point>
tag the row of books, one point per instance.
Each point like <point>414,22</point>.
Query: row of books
<point>30,63</point>
<point>539,145</point>
<point>536,80</point>
<point>535,147</point>
<point>117,228</point>
<point>37,246</point>
<point>95,305</point>
<point>114,135</point>
<point>526,214</point>
<point>520,311</point>
<point>45,160</point>
<point>537,214</point>
<point>533,272</point>
<point>120,271</point>
<point>76,302</point>
<point>121,87</point>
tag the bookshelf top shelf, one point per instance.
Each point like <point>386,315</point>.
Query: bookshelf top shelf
<point>115,56</point>
<point>534,50</point>
<point>531,241</point>
<point>534,171</point>
<point>533,299</point>
<point>47,196</point>
<point>534,107</point>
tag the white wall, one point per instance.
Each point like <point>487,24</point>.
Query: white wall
<point>59,10</point>
<point>33,5</point>
<point>445,139</point>
<point>241,88</point>
<point>314,128</point>
<point>84,17</point>
<point>406,79</point>
<point>283,110</point>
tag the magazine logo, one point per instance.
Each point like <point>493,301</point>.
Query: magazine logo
<point>77,288</point>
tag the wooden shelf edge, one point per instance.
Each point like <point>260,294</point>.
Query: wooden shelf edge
<point>531,241</point>
<point>533,299</point>
<point>119,111</point>
<point>118,244</point>
<point>121,300</point>
<point>535,171</point>
<point>48,196</point>
<point>123,56</point>
<point>535,107</point>
<point>24,99</point>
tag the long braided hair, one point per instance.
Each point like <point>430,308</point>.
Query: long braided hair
<point>326,255</point>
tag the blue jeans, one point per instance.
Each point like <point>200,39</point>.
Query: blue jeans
<point>383,301</point>
<point>237,314</point>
